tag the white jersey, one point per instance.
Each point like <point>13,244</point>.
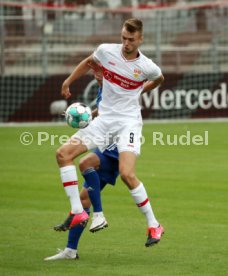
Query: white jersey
<point>123,81</point>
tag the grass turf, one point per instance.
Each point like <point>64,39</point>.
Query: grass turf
<point>187,186</point>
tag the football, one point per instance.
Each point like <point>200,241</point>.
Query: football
<point>78,115</point>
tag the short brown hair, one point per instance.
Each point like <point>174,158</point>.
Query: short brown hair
<point>133,25</point>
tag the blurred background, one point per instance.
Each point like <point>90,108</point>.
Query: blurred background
<point>42,41</point>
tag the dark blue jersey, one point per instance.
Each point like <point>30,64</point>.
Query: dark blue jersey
<point>99,96</point>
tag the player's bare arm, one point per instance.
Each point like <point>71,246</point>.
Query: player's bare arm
<point>149,85</point>
<point>94,113</point>
<point>81,69</point>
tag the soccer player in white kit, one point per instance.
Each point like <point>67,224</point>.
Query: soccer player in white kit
<point>126,74</point>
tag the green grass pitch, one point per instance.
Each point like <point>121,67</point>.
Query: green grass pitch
<point>187,185</point>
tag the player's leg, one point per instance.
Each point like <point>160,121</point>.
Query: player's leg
<point>74,235</point>
<point>127,161</point>
<point>71,249</point>
<point>88,165</point>
<point>129,147</point>
<point>80,142</point>
<point>99,162</point>
<point>76,232</point>
<point>65,156</point>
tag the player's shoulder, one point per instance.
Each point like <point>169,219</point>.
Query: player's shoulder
<point>144,59</point>
<point>148,64</point>
<point>109,47</point>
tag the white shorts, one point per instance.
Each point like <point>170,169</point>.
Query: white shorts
<point>100,133</point>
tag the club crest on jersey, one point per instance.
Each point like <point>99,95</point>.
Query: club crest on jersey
<point>137,72</point>
<point>108,75</point>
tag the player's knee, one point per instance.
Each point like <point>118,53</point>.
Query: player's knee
<point>127,177</point>
<point>61,156</point>
<point>85,163</point>
<point>82,164</point>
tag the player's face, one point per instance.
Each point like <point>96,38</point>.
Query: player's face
<point>131,42</point>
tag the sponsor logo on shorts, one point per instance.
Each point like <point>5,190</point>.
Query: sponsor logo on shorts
<point>130,145</point>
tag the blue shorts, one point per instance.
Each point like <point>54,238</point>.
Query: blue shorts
<point>108,170</point>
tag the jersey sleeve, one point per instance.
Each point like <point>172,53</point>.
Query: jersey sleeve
<point>98,54</point>
<point>153,71</point>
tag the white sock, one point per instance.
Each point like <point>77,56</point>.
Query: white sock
<point>141,199</point>
<point>70,182</point>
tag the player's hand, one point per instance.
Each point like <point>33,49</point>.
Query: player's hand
<point>65,92</point>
